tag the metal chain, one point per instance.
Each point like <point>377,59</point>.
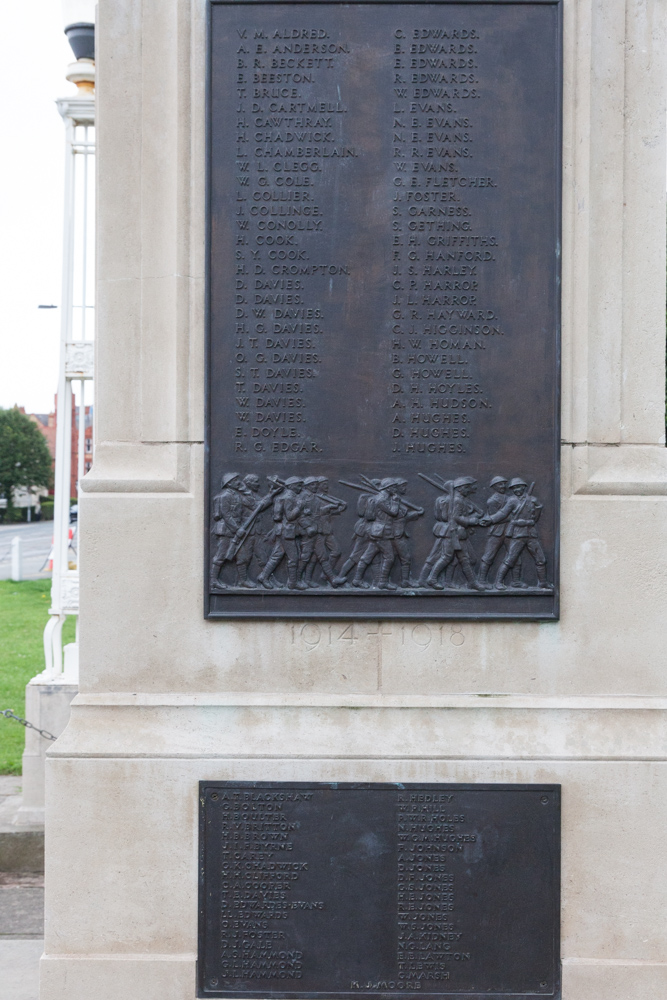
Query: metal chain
<point>8,714</point>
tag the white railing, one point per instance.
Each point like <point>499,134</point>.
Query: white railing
<point>76,366</point>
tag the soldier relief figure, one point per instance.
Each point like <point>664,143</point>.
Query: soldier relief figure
<point>288,533</point>
<point>387,512</point>
<point>235,512</point>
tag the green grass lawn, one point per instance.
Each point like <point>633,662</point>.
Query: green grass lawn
<point>23,615</point>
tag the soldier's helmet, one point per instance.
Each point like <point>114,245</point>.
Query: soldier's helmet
<point>376,483</point>
<point>498,481</point>
<point>312,481</point>
<point>463,481</point>
<point>386,483</point>
<point>516,482</point>
<point>294,481</point>
<point>229,478</point>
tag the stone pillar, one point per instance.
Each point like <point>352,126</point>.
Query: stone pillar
<point>167,698</point>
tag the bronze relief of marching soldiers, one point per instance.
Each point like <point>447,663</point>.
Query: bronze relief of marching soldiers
<point>235,512</point>
<point>387,512</point>
<point>523,512</point>
<point>319,544</point>
<point>455,514</point>
<point>289,532</point>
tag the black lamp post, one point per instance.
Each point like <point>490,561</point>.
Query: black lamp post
<point>79,24</point>
<point>81,36</point>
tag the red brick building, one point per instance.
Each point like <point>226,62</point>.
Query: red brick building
<point>47,422</point>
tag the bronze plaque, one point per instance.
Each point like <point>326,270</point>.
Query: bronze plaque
<point>342,890</point>
<point>383,309</point>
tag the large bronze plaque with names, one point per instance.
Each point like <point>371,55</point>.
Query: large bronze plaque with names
<point>383,309</point>
<point>342,890</point>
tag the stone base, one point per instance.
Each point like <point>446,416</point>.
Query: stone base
<point>47,707</point>
<point>21,850</point>
<point>172,977</point>
<point>123,785</point>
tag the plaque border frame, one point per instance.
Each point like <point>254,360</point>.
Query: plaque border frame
<point>552,789</point>
<point>334,611</point>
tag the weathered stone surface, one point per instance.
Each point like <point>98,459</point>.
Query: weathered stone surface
<point>168,699</point>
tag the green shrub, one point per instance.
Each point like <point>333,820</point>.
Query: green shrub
<point>13,515</point>
<point>47,510</point>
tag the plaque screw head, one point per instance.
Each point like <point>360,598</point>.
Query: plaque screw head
<point>543,985</point>
<point>215,797</point>
<point>544,800</point>
<point>213,982</point>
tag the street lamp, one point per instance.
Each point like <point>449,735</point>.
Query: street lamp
<point>79,23</point>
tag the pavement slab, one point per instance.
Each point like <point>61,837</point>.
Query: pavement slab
<point>21,911</point>
<point>21,915</point>
<point>21,934</point>
<point>19,968</point>
<point>21,847</point>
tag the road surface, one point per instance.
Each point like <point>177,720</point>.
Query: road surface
<point>36,546</point>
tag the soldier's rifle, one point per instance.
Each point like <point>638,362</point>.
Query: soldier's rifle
<point>276,481</point>
<point>322,496</point>
<point>439,484</point>
<point>334,500</point>
<point>367,481</point>
<point>358,486</point>
<point>245,529</point>
<point>442,487</point>
<point>517,513</point>
<point>369,488</point>
<point>447,484</point>
<point>448,488</point>
<point>406,503</point>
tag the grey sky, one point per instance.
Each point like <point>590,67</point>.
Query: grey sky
<point>34,55</point>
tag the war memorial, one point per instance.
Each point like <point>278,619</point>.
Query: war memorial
<point>372,673</point>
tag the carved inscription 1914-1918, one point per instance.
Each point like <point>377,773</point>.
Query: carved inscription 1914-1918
<point>383,309</point>
<point>316,890</point>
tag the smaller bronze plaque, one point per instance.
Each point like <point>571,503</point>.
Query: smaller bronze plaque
<point>336,890</point>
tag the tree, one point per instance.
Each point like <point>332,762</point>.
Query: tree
<point>25,461</point>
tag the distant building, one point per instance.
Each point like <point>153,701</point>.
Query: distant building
<point>47,423</point>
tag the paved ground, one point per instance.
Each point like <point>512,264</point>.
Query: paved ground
<point>21,919</point>
<point>10,800</point>
<point>21,906</point>
<point>36,539</point>
<point>21,935</point>
<point>10,785</point>
<point>19,969</point>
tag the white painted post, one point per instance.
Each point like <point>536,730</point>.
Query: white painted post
<point>49,694</point>
<point>17,559</point>
<point>76,358</point>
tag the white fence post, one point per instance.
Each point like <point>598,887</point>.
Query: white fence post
<point>17,559</point>
<point>76,360</point>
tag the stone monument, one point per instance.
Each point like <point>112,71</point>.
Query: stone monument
<point>290,619</point>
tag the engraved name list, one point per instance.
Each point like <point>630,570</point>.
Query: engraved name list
<point>431,890</point>
<point>383,289</point>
